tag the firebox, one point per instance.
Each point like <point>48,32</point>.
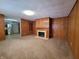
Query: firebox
<point>41,34</point>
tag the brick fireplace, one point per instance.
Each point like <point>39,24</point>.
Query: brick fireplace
<point>43,26</point>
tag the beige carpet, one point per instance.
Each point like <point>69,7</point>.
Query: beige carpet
<point>31,48</point>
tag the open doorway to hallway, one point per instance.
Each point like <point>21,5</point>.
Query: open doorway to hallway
<point>12,28</point>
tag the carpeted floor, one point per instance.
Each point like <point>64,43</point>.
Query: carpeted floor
<point>31,48</point>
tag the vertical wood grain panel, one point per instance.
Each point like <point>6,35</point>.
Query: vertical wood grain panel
<point>34,27</point>
<point>25,27</point>
<point>59,28</point>
<point>77,31</point>
<point>2,27</point>
<point>73,30</point>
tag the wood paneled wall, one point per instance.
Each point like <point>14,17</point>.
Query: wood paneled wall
<point>34,27</point>
<point>2,27</point>
<point>73,30</point>
<point>25,27</point>
<point>59,28</point>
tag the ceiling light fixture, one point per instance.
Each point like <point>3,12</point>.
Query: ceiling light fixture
<point>28,12</point>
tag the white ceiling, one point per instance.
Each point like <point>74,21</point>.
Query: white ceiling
<point>42,8</point>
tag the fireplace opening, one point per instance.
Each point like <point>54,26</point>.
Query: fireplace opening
<point>41,34</point>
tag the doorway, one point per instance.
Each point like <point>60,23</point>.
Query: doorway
<point>12,29</point>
